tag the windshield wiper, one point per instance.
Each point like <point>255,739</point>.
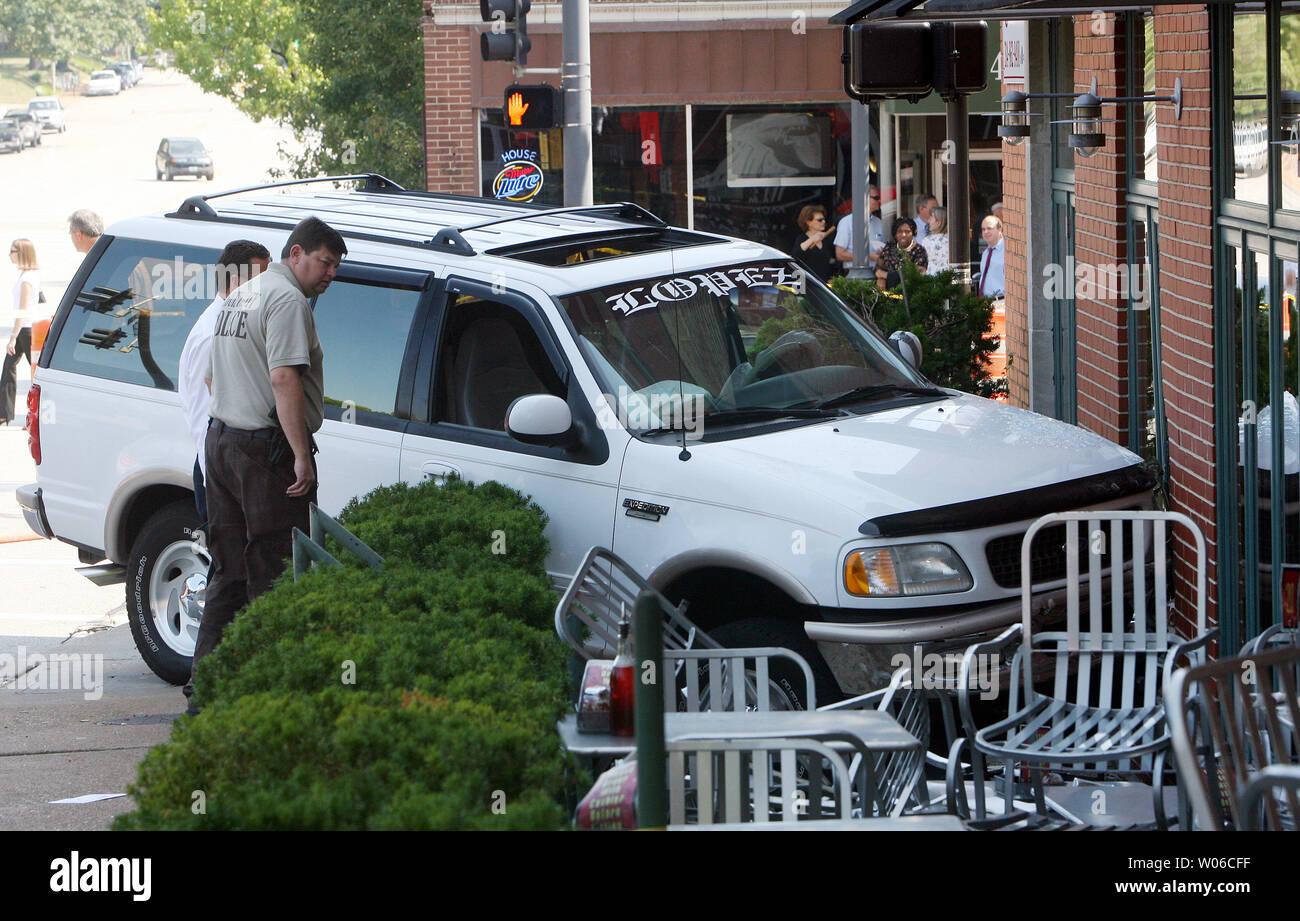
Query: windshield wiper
<point>874,390</point>
<point>754,414</point>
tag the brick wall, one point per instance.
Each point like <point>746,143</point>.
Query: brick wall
<point>450,121</point>
<point>1185,284</point>
<point>1100,212</point>
<point>1015,231</point>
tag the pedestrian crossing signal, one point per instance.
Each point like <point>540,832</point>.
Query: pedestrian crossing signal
<point>532,107</point>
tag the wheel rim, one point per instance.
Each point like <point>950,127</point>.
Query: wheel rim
<point>778,699</point>
<point>176,623</point>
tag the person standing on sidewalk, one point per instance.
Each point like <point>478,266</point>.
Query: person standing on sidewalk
<point>239,262</point>
<point>266,374</point>
<point>85,227</point>
<point>27,290</point>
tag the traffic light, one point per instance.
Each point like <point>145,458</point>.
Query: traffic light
<point>912,59</point>
<point>500,43</point>
<point>533,107</point>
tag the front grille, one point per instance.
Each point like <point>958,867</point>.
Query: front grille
<point>1047,561</point>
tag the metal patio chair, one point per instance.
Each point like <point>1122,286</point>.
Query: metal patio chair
<point>1231,720</point>
<point>1104,713</point>
<point>756,780</point>
<point>605,588</point>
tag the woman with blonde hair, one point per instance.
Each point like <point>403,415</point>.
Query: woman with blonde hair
<point>936,244</point>
<point>27,291</point>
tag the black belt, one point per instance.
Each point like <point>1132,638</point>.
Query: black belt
<point>267,433</point>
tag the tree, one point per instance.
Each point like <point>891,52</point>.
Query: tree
<point>53,30</point>
<point>347,81</point>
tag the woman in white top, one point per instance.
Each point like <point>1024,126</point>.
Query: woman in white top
<point>936,241</point>
<point>26,294</point>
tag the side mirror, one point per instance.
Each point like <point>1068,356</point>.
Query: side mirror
<point>907,345</point>
<point>541,419</point>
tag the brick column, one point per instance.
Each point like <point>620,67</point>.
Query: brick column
<point>1016,233</point>
<point>1100,238</point>
<point>1186,283</point>
<point>450,121</point>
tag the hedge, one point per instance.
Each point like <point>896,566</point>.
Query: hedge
<point>423,696</point>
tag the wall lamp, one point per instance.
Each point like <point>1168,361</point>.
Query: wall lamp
<point>1085,119</point>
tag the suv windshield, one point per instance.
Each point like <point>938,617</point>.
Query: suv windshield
<point>736,343</point>
<point>185,147</point>
<point>43,104</point>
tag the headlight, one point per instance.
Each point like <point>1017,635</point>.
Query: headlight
<point>908,569</point>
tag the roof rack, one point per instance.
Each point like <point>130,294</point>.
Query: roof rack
<point>625,210</point>
<point>449,239</point>
<point>198,204</point>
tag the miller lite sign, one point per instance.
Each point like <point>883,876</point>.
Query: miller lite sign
<point>520,178</point>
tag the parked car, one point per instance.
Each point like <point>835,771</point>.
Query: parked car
<point>11,136</point>
<point>27,124</point>
<point>104,83</point>
<point>695,402</point>
<point>49,112</point>
<point>126,72</point>
<point>182,157</point>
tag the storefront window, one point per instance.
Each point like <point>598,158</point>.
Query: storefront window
<point>1143,72</point>
<point>520,166</point>
<point>757,166</point>
<point>1250,146</point>
<point>639,155</point>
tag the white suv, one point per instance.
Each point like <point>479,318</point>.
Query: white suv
<point>692,401</point>
<point>49,112</point>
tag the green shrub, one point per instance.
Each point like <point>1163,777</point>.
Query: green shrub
<point>952,323</point>
<point>350,761</point>
<point>413,697</point>
<point>476,635</point>
<point>458,525</point>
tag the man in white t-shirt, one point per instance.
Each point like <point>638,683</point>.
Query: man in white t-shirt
<point>238,262</point>
<point>875,233</point>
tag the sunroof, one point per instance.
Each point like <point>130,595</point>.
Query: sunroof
<point>575,250</point>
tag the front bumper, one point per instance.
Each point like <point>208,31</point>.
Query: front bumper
<point>29,500</point>
<point>935,628</point>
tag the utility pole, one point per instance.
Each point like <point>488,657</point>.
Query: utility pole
<point>575,83</point>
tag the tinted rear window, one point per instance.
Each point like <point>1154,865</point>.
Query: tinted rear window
<point>130,319</point>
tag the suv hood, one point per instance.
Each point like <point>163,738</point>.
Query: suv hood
<point>834,475</point>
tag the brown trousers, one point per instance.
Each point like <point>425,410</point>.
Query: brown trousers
<point>250,525</point>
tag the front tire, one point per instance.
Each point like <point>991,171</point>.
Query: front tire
<point>785,677</point>
<point>162,558</point>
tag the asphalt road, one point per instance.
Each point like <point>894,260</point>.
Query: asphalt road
<point>60,743</point>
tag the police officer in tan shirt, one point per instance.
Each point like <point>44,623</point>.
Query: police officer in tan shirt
<point>265,372</point>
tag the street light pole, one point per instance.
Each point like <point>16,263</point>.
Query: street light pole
<point>576,84</point>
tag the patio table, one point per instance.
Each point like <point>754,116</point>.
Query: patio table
<point>870,729</point>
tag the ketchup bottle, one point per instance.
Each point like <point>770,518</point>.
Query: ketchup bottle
<point>622,685</point>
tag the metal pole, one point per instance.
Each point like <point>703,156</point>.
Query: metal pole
<point>959,229</point>
<point>690,169</point>
<point>576,83</point>
<point>651,759</point>
<point>860,138</point>
<point>888,190</point>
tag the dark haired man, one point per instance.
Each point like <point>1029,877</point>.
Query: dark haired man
<point>265,371</point>
<point>239,262</point>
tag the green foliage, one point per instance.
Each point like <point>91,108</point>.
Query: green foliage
<point>952,323</point>
<point>455,525</point>
<point>415,697</point>
<point>351,760</point>
<point>349,82</point>
<point>54,30</point>
<point>835,348</point>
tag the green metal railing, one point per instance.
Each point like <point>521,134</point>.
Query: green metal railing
<point>308,551</point>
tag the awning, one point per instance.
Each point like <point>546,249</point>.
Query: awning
<point>938,10</point>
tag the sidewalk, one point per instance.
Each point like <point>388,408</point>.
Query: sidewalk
<point>57,744</point>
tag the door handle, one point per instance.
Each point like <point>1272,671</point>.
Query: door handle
<point>432,470</point>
